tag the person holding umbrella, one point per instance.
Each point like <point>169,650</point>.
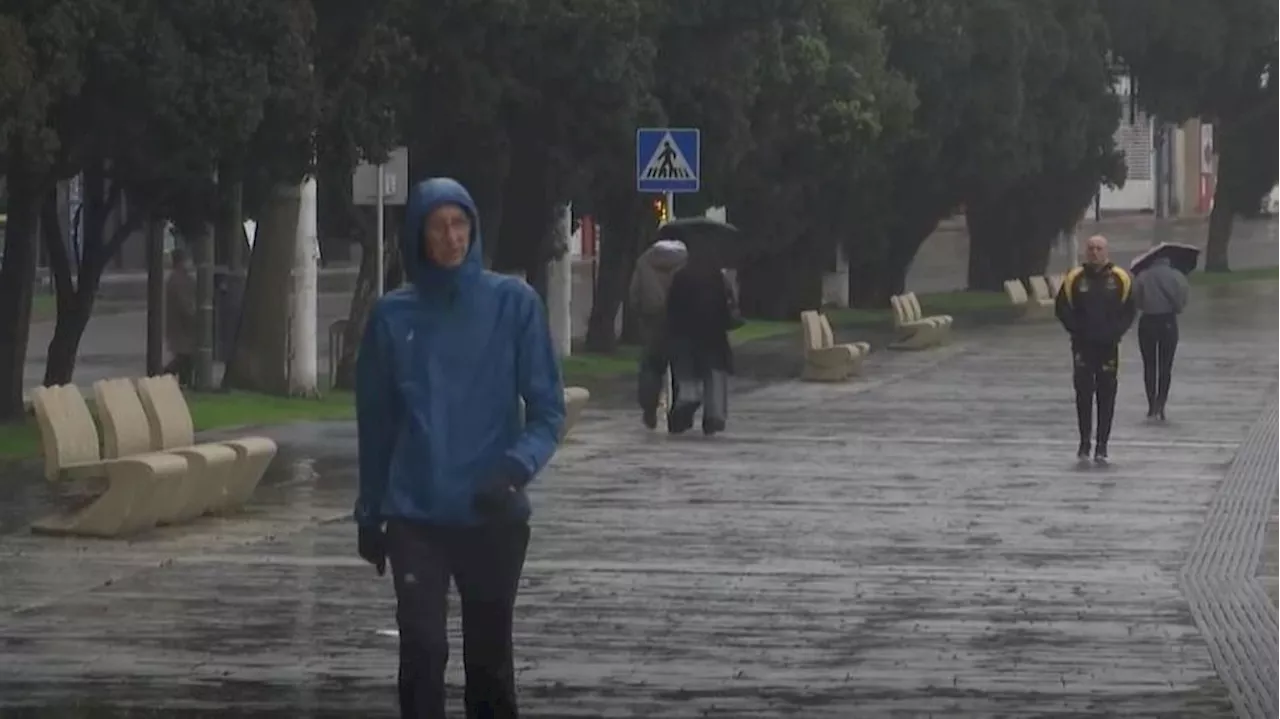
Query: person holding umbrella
<point>1160,294</point>
<point>701,311</point>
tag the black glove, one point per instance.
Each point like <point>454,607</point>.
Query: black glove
<point>495,497</point>
<point>372,546</point>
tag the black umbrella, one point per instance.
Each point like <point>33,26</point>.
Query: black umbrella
<point>1182,257</point>
<point>706,238</point>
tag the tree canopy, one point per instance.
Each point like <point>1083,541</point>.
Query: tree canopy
<point>850,124</point>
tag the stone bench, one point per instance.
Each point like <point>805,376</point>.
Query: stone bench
<point>141,490</point>
<point>1031,307</point>
<point>824,360</point>
<point>170,428</point>
<point>575,401</point>
<point>915,331</point>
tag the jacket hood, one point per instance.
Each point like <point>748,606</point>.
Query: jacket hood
<point>424,198</point>
<point>665,255</point>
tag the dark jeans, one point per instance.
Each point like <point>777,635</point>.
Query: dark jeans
<point>485,564</point>
<point>1095,368</point>
<point>183,366</point>
<point>1158,340</point>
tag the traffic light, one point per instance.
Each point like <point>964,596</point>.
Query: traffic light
<point>660,210</point>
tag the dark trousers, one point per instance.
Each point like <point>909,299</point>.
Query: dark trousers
<point>1158,340</point>
<point>1095,368</point>
<point>485,564</point>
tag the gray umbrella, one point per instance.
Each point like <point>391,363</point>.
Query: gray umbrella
<point>706,238</point>
<point>1183,258</point>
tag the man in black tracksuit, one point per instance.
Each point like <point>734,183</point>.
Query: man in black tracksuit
<point>1096,307</point>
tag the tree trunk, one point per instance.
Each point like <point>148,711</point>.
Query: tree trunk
<point>1036,254</point>
<point>260,361</point>
<point>229,229</point>
<point>64,347</point>
<point>75,299</point>
<point>155,298</point>
<point>17,281</point>
<point>362,301</point>
<point>992,257</point>
<point>1221,221</point>
<point>1222,216</point>
<point>622,233</point>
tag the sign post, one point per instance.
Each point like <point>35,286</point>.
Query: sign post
<point>382,185</point>
<point>668,161</point>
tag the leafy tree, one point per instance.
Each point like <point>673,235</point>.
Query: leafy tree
<point>829,106</point>
<point>1065,139</point>
<point>365,66</point>
<point>1216,60</point>
<point>41,60</point>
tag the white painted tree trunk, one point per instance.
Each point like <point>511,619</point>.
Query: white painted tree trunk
<point>560,288</point>
<point>302,299</point>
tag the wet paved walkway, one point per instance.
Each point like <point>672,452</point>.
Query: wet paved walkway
<point>916,543</point>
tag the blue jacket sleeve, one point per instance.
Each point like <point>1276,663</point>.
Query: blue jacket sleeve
<point>377,418</point>
<point>539,384</point>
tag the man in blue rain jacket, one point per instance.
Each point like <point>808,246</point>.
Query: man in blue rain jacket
<point>445,455</point>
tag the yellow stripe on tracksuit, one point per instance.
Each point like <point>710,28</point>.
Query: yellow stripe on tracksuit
<point>1069,282</point>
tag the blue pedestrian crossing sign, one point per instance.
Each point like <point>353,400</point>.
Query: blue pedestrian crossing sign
<point>668,159</point>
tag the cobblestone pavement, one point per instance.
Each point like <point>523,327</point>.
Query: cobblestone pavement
<point>915,543</point>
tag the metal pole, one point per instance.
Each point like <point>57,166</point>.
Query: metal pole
<point>381,230</point>
<point>204,307</point>
<point>670,199</point>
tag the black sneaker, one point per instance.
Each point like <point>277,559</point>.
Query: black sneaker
<point>1083,452</point>
<point>650,418</point>
<point>1100,455</point>
<point>712,426</point>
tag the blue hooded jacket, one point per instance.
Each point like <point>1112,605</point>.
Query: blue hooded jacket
<point>442,366</point>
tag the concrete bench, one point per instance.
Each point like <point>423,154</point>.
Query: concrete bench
<point>126,431</point>
<point>140,491</point>
<point>1032,308</point>
<point>914,330</point>
<point>575,400</point>
<point>171,428</point>
<point>824,360</point>
<point>1040,291</point>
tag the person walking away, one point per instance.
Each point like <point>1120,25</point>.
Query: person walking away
<point>180,322</point>
<point>445,457</point>
<point>650,283</point>
<point>700,313</point>
<point>1095,305</point>
<point>1160,294</point>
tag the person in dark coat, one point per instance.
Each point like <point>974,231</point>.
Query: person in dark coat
<point>700,314</point>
